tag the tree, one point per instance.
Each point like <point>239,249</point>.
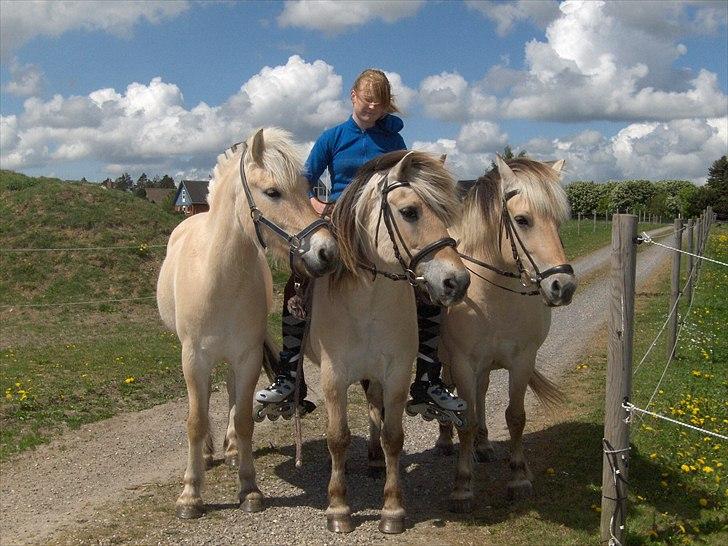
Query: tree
<point>123,183</point>
<point>142,181</point>
<point>584,196</point>
<point>167,182</point>
<point>507,155</point>
<point>717,183</point>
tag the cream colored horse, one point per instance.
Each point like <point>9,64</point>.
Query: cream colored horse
<point>364,327</point>
<point>214,291</point>
<point>496,328</point>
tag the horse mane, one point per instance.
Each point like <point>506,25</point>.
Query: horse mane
<point>536,181</point>
<point>355,210</point>
<point>281,159</point>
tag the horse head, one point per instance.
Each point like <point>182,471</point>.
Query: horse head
<point>271,201</point>
<point>533,207</point>
<point>392,220</point>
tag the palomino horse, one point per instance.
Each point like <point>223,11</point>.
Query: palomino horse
<point>509,228</point>
<point>214,290</point>
<point>391,226</point>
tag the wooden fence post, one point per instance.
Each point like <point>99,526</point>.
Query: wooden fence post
<point>594,226</point>
<point>691,261</point>
<point>619,377</point>
<point>674,291</point>
<point>578,223</point>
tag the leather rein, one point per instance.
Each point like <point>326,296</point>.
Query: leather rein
<point>409,275</point>
<point>523,274</point>
<point>295,242</point>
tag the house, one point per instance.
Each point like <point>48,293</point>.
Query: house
<point>158,195</point>
<point>191,197</point>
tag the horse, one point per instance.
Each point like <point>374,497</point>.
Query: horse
<point>509,231</point>
<point>215,291</point>
<point>391,226</point>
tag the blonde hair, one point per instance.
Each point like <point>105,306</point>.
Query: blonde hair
<point>376,82</point>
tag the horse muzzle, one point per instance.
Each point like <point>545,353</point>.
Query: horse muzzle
<point>558,289</point>
<point>318,258</point>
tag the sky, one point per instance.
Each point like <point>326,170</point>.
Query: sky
<point>619,89</point>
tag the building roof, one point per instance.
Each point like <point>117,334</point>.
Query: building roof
<point>191,192</point>
<point>157,195</point>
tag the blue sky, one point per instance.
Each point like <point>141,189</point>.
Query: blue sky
<point>618,89</point>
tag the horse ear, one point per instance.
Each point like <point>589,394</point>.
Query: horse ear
<point>558,166</point>
<point>397,173</point>
<point>503,169</point>
<point>443,157</point>
<point>257,148</point>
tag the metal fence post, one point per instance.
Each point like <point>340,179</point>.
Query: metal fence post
<point>619,378</point>
<point>674,291</point>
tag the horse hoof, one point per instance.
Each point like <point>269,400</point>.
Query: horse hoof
<point>375,472</point>
<point>232,461</point>
<point>340,523</point>
<point>445,449</point>
<point>190,511</point>
<point>485,455</point>
<point>520,490</point>
<point>252,505</point>
<point>461,506</point>
<point>391,525</point>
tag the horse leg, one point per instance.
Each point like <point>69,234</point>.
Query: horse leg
<point>461,498</point>
<point>338,437</point>
<point>196,370</point>
<point>230,444</point>
<point>520,484</point>
<point>444,440</point>
<point>208,450</point>
<point>484,451</point>
<point>246,376</point>
<point>375,453</point>
<point>395,397</point>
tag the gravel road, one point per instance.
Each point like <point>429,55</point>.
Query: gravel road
<point>85,476</point>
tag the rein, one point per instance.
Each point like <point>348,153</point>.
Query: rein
<point>294,241</point>
<point>409,275</point>
<point>523,274</point>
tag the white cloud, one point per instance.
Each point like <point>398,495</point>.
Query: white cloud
<point>404,96</point>
<point>150,125</point>
<point>23,21</point>
<point>481,136</point>
<point>27,80</point>
<point>448,96</point>
<point>507,14</point>
<point>333,16</point>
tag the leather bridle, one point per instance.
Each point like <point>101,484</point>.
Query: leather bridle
<point>523,274</point>
<point>385,212</point>
<point>295,242</point>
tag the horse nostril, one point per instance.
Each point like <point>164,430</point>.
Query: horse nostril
<point>449,283</point>
<point>556,287</point>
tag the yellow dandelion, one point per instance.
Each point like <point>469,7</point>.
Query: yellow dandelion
<point>685,468</point>
<point>550,472</point>
<point>703,502</point>
<point>708,469</point>
<point>596,508</point>
<point>129,380</point>
<point>653,455</point>
<point>663,484</point>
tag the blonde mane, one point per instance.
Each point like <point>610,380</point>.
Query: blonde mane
<point>356,212</point>
<point>537,182</point>
<point>281,159</point>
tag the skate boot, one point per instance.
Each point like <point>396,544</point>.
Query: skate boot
<point>277,400</point>
<point>433,400</point>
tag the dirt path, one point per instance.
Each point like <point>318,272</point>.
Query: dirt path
<point>86,479</point>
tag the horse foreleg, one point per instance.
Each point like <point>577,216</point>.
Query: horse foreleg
<point>484,451</point>
<point>444,440</point>
<point>338,437</point>
<point>395,397</point>
<point>246,376</point>
<point>461,498</point>
<point>520,484</point>
<point>196,370</point>
<point>375,455</point>
<point>230,444</point>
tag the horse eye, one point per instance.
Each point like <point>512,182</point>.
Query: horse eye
<point>273,193</point>
<point>410,214</point>
<point>521,221</point>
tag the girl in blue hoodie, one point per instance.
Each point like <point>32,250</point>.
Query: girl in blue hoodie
<point>371,130</point>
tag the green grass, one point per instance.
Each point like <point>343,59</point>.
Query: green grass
<point>581,238</point>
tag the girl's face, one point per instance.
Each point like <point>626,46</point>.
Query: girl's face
<point>366,109</point>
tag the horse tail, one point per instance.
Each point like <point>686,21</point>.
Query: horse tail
<point>270,357</point>
<point>546,390</point>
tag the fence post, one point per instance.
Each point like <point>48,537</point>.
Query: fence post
<point>594,226</point>
<point>691,261</point>
<point>620,333</point>
<point>674,290</point>
<point>578,223</point>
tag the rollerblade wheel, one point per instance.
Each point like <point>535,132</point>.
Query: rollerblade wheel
<point>427,416</point>
<point>273,416</point>
<point>259,416</point>
<point>410,411</point>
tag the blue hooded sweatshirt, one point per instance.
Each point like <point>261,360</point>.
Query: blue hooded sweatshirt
<point>346,147</point>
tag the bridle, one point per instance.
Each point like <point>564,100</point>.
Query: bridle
<point>527,279</point>
<point>295,242</point>
<point>385,212</point>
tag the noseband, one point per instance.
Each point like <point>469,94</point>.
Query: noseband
<point>295,242</point>
<point>523,274</point>
<point>385,212</point>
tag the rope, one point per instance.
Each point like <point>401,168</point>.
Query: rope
<point>137,247</point>
<point>646,238</point>
<point>619,483</point>
<point>60,304</point>
<point>632,408</point>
